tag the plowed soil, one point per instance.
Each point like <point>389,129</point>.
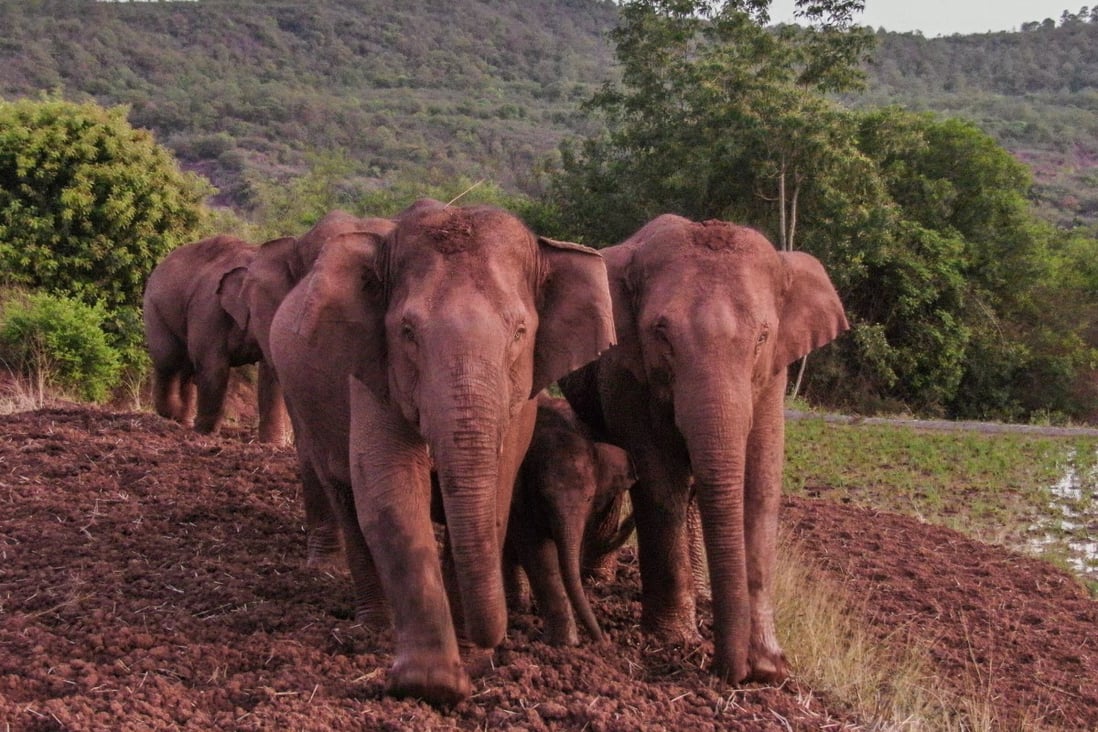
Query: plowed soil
<point>154,579</point>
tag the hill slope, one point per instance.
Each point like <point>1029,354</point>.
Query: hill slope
<point>245,90</point>
<point>241,88</point>
<point>154,578</point>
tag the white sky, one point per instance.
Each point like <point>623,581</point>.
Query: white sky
<point>946,17</point>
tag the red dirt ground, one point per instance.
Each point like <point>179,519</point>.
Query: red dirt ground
<point>151,578</point>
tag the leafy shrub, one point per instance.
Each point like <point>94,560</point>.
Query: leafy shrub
<point>88,204</point>
<point>59,343</point>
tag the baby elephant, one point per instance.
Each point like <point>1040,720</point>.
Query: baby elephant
<point>566,503</point>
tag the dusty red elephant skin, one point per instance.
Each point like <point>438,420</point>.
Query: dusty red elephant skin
<point>152,578</point>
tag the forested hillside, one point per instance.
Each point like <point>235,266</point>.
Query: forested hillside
<point>242,89</point>
<point>1035,91</point>
<point>247,91</point>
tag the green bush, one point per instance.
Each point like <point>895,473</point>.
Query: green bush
<point>88,204</point>
<point>59,343</point>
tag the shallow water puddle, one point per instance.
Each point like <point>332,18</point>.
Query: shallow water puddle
<point>1071,528</point>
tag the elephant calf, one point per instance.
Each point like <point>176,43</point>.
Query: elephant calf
<point>566,506</point>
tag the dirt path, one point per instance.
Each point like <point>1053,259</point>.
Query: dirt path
<point>153,579</point>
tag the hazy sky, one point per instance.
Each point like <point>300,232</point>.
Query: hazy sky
<point>945,17</point>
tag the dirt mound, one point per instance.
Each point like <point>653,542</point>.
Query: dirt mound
<point>154,579</point>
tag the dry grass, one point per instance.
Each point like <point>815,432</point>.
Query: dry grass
<point>886,683</point>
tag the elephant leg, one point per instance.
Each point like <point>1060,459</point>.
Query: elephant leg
<point>166,394</point>
<point>514,579</point>
<point>762,500</point>
<point>660,497</point>
<point>321,527</point>
<point>273,420</point>
<point>371,607</point>
<point>188,399</point>
<point>539,559</point>
<point>212,380</point>
<point>390,471</point>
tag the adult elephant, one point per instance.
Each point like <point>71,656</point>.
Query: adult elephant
<point>565,509</point>
<point>195,337</point>
<point>709,316</point>
<point>422,350</point>
<point>276,268</point>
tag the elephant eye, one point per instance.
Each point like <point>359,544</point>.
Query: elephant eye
<point>763,336</point>
<point>520,332</point>
<point>407,332</point>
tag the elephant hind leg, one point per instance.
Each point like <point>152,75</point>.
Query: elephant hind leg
<point>323,546</point>
<point>173,395</point>
<point>213,384</point>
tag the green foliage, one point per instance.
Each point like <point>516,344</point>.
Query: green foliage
<point>59,341</point>
<point>293,206</point>
<point>88,204</point>
<point>716,116</point>
<point>248,91</point>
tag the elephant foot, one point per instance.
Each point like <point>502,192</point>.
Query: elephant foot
<point>373,617</point>
<point>770,668</point>
<point>677,630</point>
<point>331,562</point>
<point>207,427</point>
<point>561,631</point>
<point>434,679</point>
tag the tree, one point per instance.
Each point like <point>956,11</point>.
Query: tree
<point>716,114</point>
<point>88,204</point>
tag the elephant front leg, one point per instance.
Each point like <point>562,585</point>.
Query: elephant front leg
<point>273,420</point>
<point>762,500</point>
<point>660,498</point>
<point>212,380</point>
<point>390,471</point>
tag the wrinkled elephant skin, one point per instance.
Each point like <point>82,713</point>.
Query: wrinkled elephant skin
<point>709,316</point>
<point>421,350</point>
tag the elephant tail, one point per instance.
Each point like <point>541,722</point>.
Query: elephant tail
<point>615,542</point>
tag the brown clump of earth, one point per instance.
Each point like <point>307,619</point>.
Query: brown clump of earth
<point>152,578</point>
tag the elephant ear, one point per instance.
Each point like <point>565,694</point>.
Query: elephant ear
<point>344,298</point>
<point>624,292</point>
<point>266,283</point>
<point>812,314</point>
<point>574,311</point>
<point>230,295</point>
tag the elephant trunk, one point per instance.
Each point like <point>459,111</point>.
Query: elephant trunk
<point>715,421</point>
<point>569,548</point>
<point>466,447</point>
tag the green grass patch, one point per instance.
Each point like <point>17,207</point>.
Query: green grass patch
<point>1027,491</point>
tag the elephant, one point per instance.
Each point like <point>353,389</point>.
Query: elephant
<point>419,353</point>
<point>565,506</point>
<point>194,339</point>
<point>709,315</point>
<point>276,268</point>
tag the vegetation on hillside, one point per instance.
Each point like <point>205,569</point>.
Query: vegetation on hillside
<point>244,91</point>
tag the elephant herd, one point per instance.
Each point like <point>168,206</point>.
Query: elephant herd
<point>413,355</point>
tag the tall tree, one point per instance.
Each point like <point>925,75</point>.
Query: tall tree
<point>716,114</point>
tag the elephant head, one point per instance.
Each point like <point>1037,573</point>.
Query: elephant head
<point>422,349</point>
<point>709,316</point>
